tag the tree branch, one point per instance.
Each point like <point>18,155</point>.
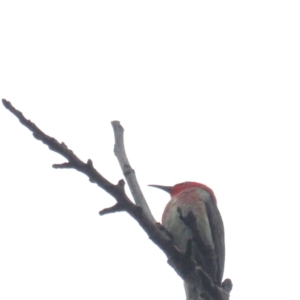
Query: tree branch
<point>185,267</point>
<point>128,172</point>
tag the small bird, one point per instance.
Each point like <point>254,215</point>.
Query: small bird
<point>200,200</point>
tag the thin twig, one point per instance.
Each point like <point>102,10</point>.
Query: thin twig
<point>128,172</point>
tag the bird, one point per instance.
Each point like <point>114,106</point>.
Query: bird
<point>187,197</point>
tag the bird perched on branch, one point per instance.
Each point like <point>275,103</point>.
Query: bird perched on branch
<point>192,218</point>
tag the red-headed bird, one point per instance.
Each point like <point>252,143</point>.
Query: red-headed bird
<point>200,199</point>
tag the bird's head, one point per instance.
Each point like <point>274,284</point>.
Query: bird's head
<point>178,188</point>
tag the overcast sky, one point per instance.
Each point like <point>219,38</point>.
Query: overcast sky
<point>207,91</point>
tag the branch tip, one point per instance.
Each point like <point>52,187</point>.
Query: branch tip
<point>6,103</point>
<point>115,122</point>
<point>62,166</point>
<point>90,163</point>
<point>116,208</point>
<point>121,183</point>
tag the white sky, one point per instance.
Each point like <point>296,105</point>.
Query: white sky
<point>207,92</point>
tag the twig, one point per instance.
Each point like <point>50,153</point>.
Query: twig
<point>128,172</point>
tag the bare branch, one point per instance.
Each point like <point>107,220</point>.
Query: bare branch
<point>185,267</point>
<point>128,172</point>
<point>73,161</point>
<point>116,208</point>
<point>62,166</point>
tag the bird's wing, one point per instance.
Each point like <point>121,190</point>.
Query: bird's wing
<point>217,232</point>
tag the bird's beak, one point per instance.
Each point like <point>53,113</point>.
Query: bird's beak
<point>163,187</point>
